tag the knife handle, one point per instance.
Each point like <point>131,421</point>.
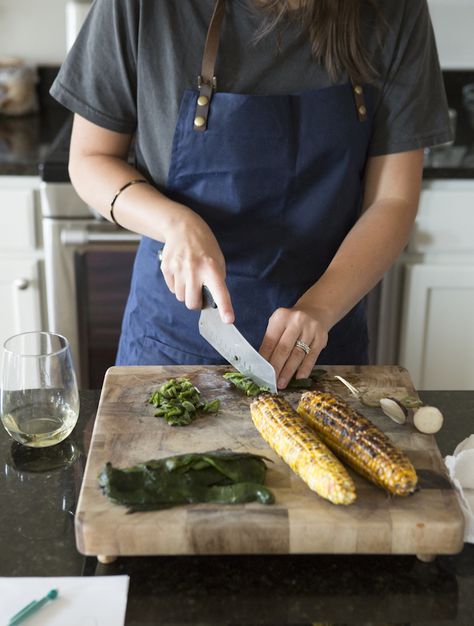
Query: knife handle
<point>207,299</point>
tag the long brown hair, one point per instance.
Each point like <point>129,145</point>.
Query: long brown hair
<point>334,29</point>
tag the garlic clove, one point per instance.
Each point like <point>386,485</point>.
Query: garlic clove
<point>428,419</point>
<point>394,410</point>
<point>371,398</point>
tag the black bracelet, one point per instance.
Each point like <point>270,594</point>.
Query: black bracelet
<point>112,204</point>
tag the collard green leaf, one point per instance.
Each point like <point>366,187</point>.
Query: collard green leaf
<point>218,476</point>
<point>244,383</point>
<point>240,492</point>
<point>247,385</point>
<point>306,383</point>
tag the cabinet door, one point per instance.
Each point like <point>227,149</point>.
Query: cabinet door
<point>437,336</point>
<point>20,308</point>
<point>17,220</point>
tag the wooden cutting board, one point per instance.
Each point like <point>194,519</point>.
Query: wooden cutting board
<point>126,432</point>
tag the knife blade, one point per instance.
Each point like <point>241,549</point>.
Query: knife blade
<point>232,345</point>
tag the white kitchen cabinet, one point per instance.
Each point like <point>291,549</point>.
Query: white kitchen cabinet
<point>437,320</point>
<point>452,23</point>
<point>21,257</point>
<point>437,341</point>
<point>20,295</point>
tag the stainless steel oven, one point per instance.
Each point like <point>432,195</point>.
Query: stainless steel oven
<point>88,265</point>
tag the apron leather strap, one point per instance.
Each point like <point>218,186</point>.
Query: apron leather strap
<point>359,101</point>
<point>207,79</point>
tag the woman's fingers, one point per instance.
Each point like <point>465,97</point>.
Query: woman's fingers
<point>186,274</point>
<point>279,345</point>
<point>218,288</point>
<point>271,348</point>
<point>193,293</point>
<point>298,363</point>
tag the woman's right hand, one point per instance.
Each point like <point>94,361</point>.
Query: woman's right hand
<point>192,258</point>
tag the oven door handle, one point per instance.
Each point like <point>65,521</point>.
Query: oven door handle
<point>84,237</point>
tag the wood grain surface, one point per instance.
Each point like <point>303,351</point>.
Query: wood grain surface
<point>126,432</point>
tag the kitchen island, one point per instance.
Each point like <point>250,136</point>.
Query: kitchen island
<point>39,491</point>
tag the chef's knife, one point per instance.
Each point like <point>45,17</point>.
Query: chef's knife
<point>232,345</point>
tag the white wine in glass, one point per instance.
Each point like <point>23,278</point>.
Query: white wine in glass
<point>39,399</point>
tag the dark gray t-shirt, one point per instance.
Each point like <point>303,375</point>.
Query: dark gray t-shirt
<point>134,58</point>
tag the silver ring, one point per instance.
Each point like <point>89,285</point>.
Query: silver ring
<point>304,346</point>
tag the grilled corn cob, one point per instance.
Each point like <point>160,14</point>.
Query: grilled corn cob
<point>299,446</point>
<point>357,441</point>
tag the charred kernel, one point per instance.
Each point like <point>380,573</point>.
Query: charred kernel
<point>367,449</point>
<point>299,446</point>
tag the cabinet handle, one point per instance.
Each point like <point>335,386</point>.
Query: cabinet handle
<point>21,283</point>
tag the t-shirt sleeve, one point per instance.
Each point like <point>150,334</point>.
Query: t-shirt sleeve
<point>98,78</point>
<point>411,110</point>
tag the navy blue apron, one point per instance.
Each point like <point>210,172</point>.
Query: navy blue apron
<point>279,181</point>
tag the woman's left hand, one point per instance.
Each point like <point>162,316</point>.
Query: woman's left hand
<point>285,328</point>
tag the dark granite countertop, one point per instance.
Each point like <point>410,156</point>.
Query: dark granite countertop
<point>456,161</point>
<point>37,539</point>
<point>24,142</point>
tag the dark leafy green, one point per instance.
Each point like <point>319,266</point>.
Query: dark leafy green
<point>179,402</point>
<point>220,476</point>
<point>306,383</point>
<point>247,385</point>
<point>244,383</point>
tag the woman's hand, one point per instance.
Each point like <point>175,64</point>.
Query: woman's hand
<point>285,328</point>
<point>192,258</point>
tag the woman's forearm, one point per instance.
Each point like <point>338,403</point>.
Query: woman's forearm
<point>391,196</point>
<point>191,254</point>
<point>139,208</point>
<point>366,253</point>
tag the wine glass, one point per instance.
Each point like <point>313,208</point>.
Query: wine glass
<point>39,399</point>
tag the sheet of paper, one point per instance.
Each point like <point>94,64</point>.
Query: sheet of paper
<point>81,601</point>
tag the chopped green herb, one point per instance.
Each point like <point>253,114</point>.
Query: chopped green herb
<point>178,401</point>
<point>246,384</point>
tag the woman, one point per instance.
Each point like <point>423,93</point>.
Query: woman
<point>287,181</point>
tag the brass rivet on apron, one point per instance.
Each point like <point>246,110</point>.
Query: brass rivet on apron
<point>362,110</point>
<point>358,89</point>
<point>203,100</point>
<point>199,121</point>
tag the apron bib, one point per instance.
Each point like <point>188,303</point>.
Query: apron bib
<point>279,181</point>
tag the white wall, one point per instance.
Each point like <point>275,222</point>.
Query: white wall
<point>33,30</point>
<point>453,21</point>
<point>36,30</point>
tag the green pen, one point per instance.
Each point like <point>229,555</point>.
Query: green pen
<point>32,607</point>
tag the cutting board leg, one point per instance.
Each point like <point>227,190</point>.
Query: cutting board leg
<point>103,558</point>
<point>426,558</point>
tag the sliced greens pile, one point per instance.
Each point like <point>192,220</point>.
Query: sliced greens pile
<point>220,476</point>
<point>178,401</point>
<point>247,385</point>
<point>244,383</point>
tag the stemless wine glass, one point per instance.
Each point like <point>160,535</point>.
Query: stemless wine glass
<point>39,399</point>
